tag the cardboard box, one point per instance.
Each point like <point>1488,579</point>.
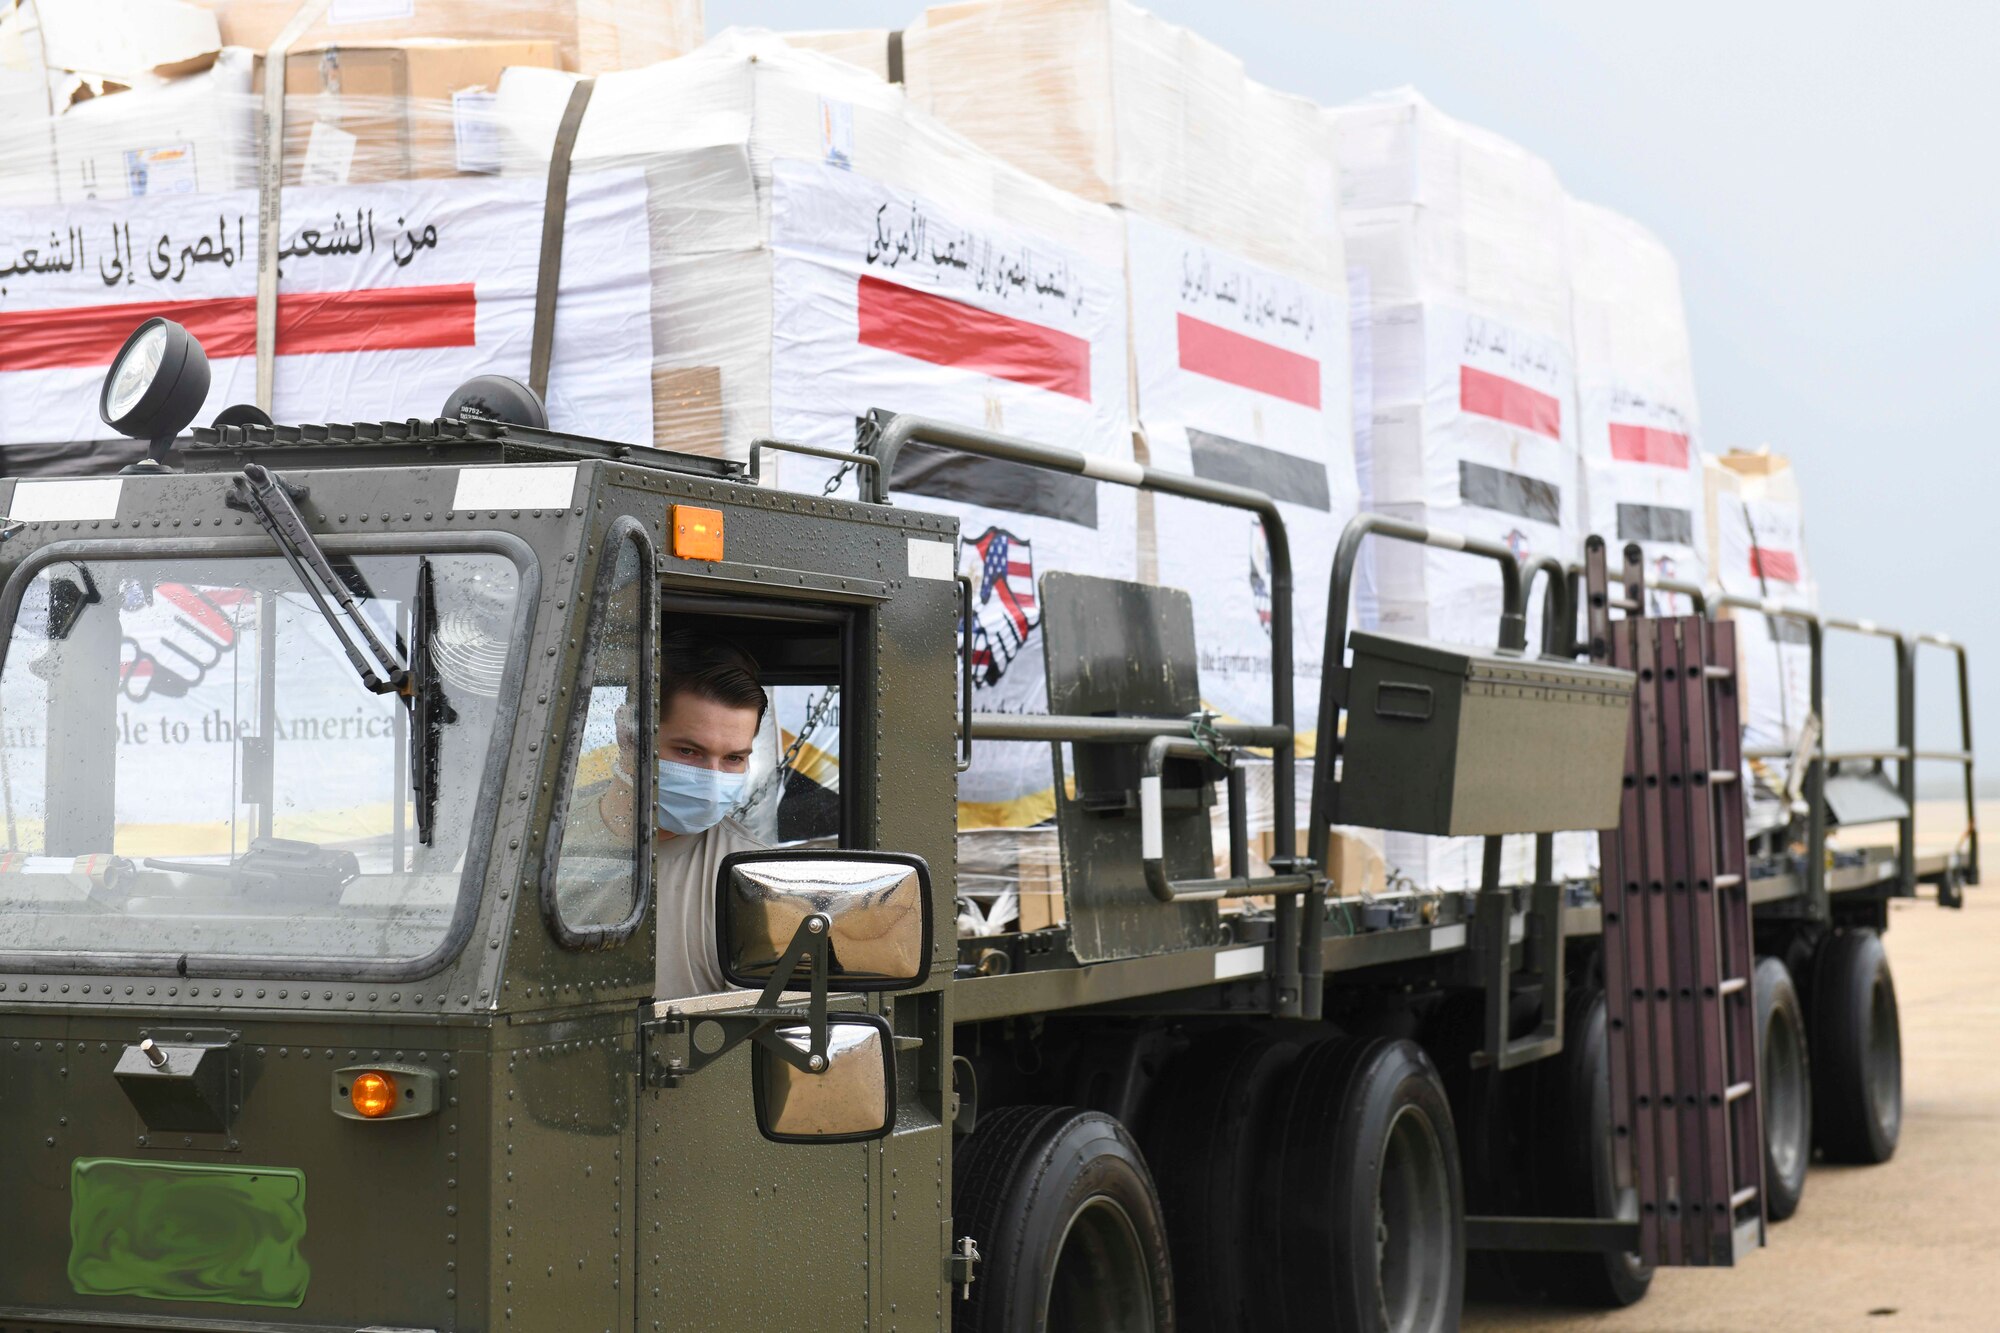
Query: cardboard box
<point>130,42</point>
<point>394,111</point>
<point>1119,106</point>
<point>194,136</point>
<point>687,409</point>
<point>592,36</point>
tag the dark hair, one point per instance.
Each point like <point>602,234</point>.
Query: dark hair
<point>709,668</point>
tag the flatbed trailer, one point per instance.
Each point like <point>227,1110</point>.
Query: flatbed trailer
<point>419,1079</point>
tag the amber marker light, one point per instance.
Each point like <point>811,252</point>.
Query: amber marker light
<point>373,1095</point>
<point>697,533</point>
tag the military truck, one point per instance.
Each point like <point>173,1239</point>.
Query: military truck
<point>311,1018</point>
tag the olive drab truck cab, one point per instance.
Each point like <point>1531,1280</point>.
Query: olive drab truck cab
<point>323,1009</point>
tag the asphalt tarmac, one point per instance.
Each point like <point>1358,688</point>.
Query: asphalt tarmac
<point>1914,1243</point>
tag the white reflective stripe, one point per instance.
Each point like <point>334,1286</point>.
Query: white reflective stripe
<point>930,559</point>
<point>66,501</point>
<point>517,486</point>
<point>1941,640</point>
<point>1447,937</point>
<point>1450,541</point>
<point>1121,470</point>
<point>1772,606</point>
<point>1152,838</point>
<point>1866,626</point>
<point>1246,960</point>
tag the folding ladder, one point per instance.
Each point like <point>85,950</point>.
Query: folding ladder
<point>1679,954</point>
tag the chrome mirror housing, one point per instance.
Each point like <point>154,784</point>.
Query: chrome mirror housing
<point>873,907</point>
<point>851,1099</point>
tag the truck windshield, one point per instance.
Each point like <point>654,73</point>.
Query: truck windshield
<point>191,770</point>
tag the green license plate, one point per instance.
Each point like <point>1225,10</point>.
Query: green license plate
<point>182,1231</point>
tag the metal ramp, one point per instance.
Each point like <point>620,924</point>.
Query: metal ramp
<point>1678,949</point>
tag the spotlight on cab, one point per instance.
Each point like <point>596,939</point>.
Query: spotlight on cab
<point>156,385</point>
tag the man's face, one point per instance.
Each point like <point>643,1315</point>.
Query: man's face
<point>702,733</point>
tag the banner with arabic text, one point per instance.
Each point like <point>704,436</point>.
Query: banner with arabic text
<point>390,296</point>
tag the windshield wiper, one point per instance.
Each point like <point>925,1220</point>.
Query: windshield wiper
<point>430,711</point>
<point>415,682</point>
<point>274,863</point>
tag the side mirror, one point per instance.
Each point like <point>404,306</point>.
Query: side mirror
<point>851,1099</point>
<point>874,907</point>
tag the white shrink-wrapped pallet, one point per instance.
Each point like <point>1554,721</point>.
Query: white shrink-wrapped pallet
<point>1757,548</point>
<point>819,249</point>
<point>1640,423</point>
<point>1240,375</point>
<point>1118,106</point>
<point>1238,288</point>
<point>1474,426</point>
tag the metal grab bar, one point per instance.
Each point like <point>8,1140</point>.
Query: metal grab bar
<point>1335,678</point>
<point>891,431</point>
<point>1558,624</point>
<point>1152,834</point>
<point>1962,756</point>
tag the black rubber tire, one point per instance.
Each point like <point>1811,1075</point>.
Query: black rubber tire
<point>1068,1224</point>
<point>1200,1132</point>
<point>1573,1158</point>
<point>1784,1071</point>
<point>1857,1050</point>
<point>1361,1223</point>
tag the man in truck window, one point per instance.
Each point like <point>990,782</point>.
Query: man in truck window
<point>710,708</point>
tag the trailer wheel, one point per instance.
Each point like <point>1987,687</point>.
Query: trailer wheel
<point>1572,1100</point>
<point>1857,1050</point>
<point>1361,1215</point>
<point>1068,1226</point>
<point>1201,1134</point>
<point>1785,1070</point>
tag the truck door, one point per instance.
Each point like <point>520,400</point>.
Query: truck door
<point>730,1231</point>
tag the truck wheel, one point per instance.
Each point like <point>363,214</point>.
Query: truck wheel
<point>1785,1068</point>
<point>1067,1223</point>
<point>1361,1214</point>
<point>1200,1132</point>
<point>1857,1050</point>
<point>1574,1155</point>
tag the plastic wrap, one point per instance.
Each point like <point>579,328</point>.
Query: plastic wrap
<point>864,48</point>
<point>591,36</point>
<point>1472,382</point>
<point>1757,548</point>
<point>819,250</point>
<point>1115,105</point>
<point>1241,376</point>
<point>1635,380</point>
<point>406,264</point>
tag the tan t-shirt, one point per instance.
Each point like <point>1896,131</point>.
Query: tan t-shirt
<point>684,882</point>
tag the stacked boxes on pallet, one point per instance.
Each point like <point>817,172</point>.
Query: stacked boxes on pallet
<point>1640,426</point>
<point>132,178</point>
<point>820,249</point>
<point>1239,341</point>
<point>1474,424</point>
<point>1757,548</point>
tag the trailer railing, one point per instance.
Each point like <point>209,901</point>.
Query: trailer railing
<point>1962,864</point>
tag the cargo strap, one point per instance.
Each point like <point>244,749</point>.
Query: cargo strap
<point>270,192</point>
<point>1679,954</point>
<point>555,204</point>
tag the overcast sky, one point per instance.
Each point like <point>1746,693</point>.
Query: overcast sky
<point>1828,176</point>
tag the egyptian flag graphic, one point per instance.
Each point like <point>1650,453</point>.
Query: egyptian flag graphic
<point>944,332</point>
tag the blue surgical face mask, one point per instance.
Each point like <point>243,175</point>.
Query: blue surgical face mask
<point>692,800</point>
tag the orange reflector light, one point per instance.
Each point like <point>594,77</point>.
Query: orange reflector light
<point>373,1095</point>
<point>697,533</point>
